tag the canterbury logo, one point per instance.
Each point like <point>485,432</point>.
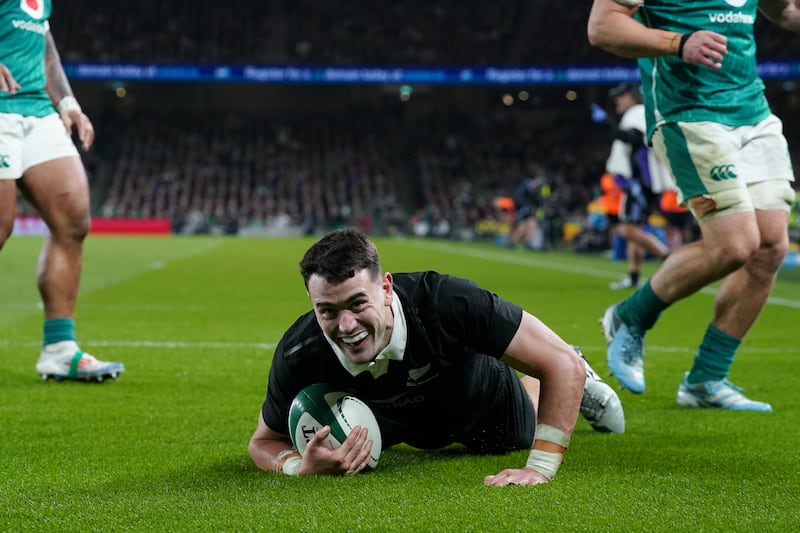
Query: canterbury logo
<point>723,172</point>
<point>4,161</point>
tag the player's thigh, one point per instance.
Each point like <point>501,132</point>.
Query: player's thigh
<point>773,226</point>
<point>8,207</point>
<point>59,190</point>
<point>54,180</point>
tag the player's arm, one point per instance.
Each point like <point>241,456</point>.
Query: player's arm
<point>266,446</point>
<point>60,92</point>
<point>784,13</point>
<point>612,27</point>
<point>539,352</point>
<point>273,451</point>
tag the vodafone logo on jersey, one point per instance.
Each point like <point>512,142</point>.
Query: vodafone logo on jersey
<point>736,3</point>
<point>34,8</point>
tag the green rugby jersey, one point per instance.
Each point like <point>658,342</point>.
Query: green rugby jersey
<point>23,25</point>
<point>676,91</point>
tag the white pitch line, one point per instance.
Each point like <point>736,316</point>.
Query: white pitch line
<point>178,345</point>
<point>191,345</point>
<point>545,264</point>
<point>109,307</point>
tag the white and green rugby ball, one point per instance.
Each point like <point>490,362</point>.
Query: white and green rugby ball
<point>322,405</point>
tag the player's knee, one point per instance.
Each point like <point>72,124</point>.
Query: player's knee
<point>79,227</point>
<point>71,228</point>
<point>770,256</point>
<point>6,225</point>
<point>5,233</point>
<point>730,254</point>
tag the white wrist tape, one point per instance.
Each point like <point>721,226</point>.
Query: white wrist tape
<point>551,434</point>
<point>546,463</point>
<point>66,104</point>
<point>292,466</point>
<point>288,462</point>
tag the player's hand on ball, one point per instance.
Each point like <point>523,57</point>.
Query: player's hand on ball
<point>348,459</point>
<point>516,476</point>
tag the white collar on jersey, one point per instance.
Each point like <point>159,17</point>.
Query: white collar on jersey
<point>394,350</point>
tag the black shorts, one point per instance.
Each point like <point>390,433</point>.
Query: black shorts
<point>522,213</point>
<point>636,204</point>
<point>508,425</point>
<point>509,430</point>
<point>683,220</point>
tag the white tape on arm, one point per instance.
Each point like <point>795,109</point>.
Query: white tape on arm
<point>547,454</point>
<point>546,463</point>
<point>552,434</point>
<point>288,462</point>
<point>66,104</point>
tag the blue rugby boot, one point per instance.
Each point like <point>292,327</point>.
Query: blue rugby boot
<point>721,394</point>
<point>625,352</point>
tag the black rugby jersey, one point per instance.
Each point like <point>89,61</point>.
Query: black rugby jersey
<point>449,382</point>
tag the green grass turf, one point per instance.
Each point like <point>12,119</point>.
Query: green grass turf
<point>195,321</point>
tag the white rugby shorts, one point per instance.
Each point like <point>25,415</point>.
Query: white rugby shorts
<point>29,141</point>
<point>740,168</point>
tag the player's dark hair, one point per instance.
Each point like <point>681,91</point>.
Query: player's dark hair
<point>338,255</point>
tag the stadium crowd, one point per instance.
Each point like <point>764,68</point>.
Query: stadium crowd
<point>441,32</point>
<point>433,172</point>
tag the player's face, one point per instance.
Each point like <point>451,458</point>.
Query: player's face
<point>355,314</point>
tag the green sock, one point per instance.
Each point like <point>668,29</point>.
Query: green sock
<point>642,308</point>
<point>714,357</point>
<point>59,329</point>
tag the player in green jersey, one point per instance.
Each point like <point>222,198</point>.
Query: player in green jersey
<point>709,121</point>
<point>38,113</point>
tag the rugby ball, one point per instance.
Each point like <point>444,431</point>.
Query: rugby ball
<point>321,405</point>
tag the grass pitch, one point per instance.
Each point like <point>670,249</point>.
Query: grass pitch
<point>195,320</point>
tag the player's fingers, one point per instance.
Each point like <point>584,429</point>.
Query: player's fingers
<point>523,477</point>
<point>86,132</point>
<point>67,121</point>
<point>319,437</point>
<point>354,443</point>
<point>497,480</point>
<point>7,82</point>
<point>364,455</point>
<point>353,448</point>
<point>719,38</point>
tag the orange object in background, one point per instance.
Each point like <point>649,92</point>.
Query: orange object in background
<point>505,203</point>
<point>669,202</point>
<point>611,194</point>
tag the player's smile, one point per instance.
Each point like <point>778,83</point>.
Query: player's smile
<point>354,340</point>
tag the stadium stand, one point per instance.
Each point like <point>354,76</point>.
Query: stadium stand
<point>214,160</point>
